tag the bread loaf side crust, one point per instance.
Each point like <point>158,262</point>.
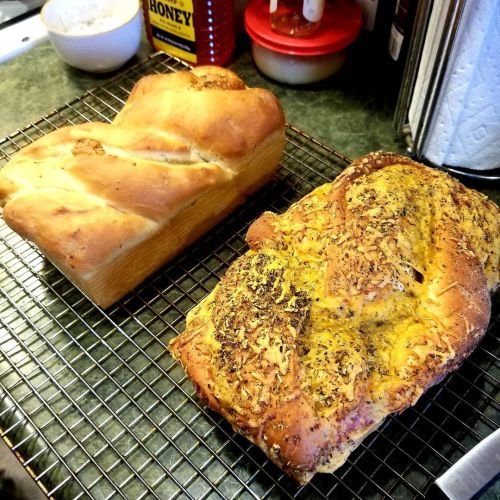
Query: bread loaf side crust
<point>115,277</point>
<point>111,203</point>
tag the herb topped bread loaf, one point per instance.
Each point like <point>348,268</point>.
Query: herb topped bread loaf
<point>109,204</point>
<point>345,309</point>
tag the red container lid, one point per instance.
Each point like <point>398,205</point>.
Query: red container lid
<point>339,27</point>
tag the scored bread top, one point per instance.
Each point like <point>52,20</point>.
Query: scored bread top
<point>257,112</point>
<point>346,308</point>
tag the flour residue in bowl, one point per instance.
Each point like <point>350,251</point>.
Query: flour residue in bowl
<point>91,26</point>
<point>88,17</point>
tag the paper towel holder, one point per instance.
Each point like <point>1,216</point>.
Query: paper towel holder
<point>416,136</point>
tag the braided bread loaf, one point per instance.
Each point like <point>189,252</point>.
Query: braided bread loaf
<point>346,308</point>
<point>109,204</point>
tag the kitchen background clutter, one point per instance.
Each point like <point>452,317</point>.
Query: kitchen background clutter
<point>352,109</point>
<point>449,106</point>
<point>20,27</point>
<point>356,108</point>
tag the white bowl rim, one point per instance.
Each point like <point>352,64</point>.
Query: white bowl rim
<point>87,35</point>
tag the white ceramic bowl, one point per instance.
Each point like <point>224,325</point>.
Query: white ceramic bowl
<point>94,35</point>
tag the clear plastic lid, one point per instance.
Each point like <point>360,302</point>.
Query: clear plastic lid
<point>340,26</point>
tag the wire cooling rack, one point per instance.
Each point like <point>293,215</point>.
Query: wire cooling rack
<point>93,405</point>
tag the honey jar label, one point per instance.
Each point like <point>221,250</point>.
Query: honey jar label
<point>172,27</point>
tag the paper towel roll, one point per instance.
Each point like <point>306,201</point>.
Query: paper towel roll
<point>465,125</point>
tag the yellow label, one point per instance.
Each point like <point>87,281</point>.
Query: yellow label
<point>172,27</point>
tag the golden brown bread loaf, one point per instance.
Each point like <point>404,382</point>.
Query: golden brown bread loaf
<point>109,204</point>
<point>345,309</point>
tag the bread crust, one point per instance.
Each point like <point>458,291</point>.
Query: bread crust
<point>257,113</point>
<point>345,309</point>
<point>111,203</point>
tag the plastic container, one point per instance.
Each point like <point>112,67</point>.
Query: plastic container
<point>307,59</point>
<point>296,17</point>
<point>200,32</point>
<point>93,35</point>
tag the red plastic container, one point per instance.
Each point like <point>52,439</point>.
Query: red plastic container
<point>306,59</point>
<point>200,32</point>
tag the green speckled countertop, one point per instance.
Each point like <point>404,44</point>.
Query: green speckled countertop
<point>352,111</point>
<point>346,112</point>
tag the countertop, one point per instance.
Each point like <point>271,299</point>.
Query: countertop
<point>351,112</point>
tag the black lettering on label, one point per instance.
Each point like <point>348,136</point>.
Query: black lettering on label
<point>187,17</point>
<point>169,12</point>
<point>179,16</point>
